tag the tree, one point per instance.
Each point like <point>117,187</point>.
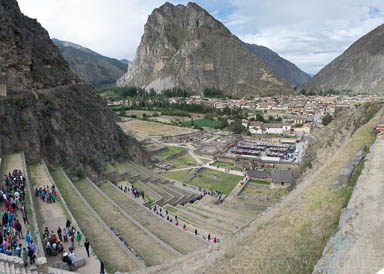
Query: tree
<point>236,127</point>
<point>327,119</point>
<point>259,117</point>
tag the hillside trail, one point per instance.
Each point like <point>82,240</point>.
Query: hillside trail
<point>53,216</point>
<point>360,247</point>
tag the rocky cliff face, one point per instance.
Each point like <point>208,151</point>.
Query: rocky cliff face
<point>360,68</point>
<point>91,66</point>
<point>69,124</point>
<point>27,55</point>
<point>184,46</point>
<point>285,69</point>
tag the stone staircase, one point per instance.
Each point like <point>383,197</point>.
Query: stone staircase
<point>15,265</point>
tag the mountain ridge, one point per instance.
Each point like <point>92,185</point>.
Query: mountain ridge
<point>284,68</point>
<point>90,65</point>
<point>359,68</point>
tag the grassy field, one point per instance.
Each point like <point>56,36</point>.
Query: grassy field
<point>105,247</point>
<point>183,161</point>
<point>152,129</point>
<point>147,248</point>
<point>171,150</point>
<point>181,176</point>
<point>226,165</point>
<point>216,180</point>
<point>202,123</point>
<point>166,232</point>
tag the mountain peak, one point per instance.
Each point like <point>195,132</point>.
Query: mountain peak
<point>184,46</point>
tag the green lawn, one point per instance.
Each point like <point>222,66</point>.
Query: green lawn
<point>259,182</point>
<point>226,165</point>
<point>216,180</point>
<point>183,161</point>
<point>181,176</point>
<point>171,150</point>
<point>202,123</point>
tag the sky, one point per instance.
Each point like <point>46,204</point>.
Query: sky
<point>309,33</point>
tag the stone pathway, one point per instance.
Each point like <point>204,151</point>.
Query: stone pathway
<point>11,162</point>
<point>54,216</point>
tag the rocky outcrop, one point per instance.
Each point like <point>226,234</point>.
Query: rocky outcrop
<point>285,69</point>
<point>27,55</point>
<point>69,125</point>
<point>359,69</point>
<point>91,66</point>
<point>184,46</point>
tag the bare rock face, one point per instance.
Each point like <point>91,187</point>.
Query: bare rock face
<point>359,69</point>
<point>71,124</point>
<point>27,55</point>
<point>184,46</point>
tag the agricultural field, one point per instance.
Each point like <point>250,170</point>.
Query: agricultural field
<point>216,180</point>
<point>169,119</point>
<point>152,128</point>
<point>202,123</point>
<point>140,113</point>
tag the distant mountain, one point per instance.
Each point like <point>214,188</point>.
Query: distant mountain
<point>184,46</point>
<point>285,69</point>
<point>125,61</point>
<point>89,65</point>
<point>359,69</point>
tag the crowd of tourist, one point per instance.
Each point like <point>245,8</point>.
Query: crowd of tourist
<point>137,193</point>
<point>54,243</point>
<point>46,194</point>
<point>12,196</point>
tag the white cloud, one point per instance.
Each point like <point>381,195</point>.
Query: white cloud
<point>310,33</point>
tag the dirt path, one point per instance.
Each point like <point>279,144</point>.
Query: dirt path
<point>358,247</point>
<point>54,216</point>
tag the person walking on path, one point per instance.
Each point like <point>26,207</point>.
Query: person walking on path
<point>73,241</point>
<point>102,271</point>
<point>86,244</point>
<point>78,237</point>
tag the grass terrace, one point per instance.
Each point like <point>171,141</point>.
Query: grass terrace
<point>105,247</point>
<point>168,233</point>
<point>216,180</point>
<point>171,150</point>
<point>181,176</point>
<point>183,161</point>
<point>226,165</point>
<point>146,247</point>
